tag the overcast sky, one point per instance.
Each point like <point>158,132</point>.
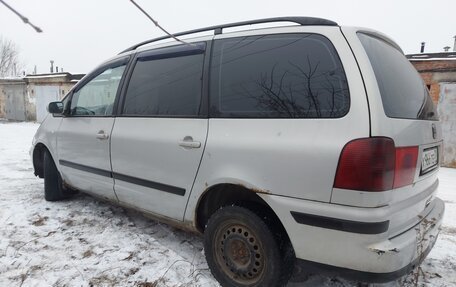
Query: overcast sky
<point>78,35</point>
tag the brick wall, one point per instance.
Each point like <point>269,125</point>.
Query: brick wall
<point>435,72</point>
<point>440,77</point>
<point>433,65</point>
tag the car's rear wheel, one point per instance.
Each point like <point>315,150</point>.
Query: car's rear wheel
<point>241,250</point>
<point>53,185</point>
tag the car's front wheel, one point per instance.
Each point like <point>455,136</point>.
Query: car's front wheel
<point>241,250</point>
<point>53,185</point>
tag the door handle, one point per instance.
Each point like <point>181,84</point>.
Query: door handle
<point>188,142</point>
<point>101,135</point>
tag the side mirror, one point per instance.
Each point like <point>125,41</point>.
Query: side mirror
<point>55,108</point>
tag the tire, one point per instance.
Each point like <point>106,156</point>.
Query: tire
<point>242,251</point>
<point>53,186</point>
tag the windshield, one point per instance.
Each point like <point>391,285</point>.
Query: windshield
<point>403,92</point>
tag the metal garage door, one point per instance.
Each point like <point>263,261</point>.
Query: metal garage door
<point>15,104</point>
<point>44,95</point>
<point>447,113</point>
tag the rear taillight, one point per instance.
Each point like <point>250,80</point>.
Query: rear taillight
<point>375,164</point>
<point>404,172</point>
<point>367,164</point>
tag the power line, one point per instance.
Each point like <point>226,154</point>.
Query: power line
<point>23,18</point>
<point>156,23</point>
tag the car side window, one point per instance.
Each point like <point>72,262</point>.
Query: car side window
<point>96,98</point>
<point>277,76</point>
<point>165,86</point>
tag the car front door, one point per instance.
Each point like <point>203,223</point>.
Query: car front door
<point>158,138</point>
<point>83,140</point>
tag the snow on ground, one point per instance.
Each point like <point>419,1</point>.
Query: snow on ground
<point>86,242</point>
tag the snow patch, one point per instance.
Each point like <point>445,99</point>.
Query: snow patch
<point>83,241</point>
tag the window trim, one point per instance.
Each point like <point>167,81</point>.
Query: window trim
<point>99,70</point>
<point>216,113</point>
<point>197,48</point>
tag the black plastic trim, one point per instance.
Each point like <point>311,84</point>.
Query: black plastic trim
<point>126,178</point>
<point>360,276</point>
<point>126,81</point>
<point>218,29</point>
<point>341,224</point>
<point>86,168</point>
<point>123,81</point>
<point>172,52</point>
<point>204,102</point>
<point>150,184</point>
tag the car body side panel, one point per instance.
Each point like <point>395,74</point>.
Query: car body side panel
<point>79,145</point>
<point>289,157</point>
<point>47,135</point>
<point>148,149</point>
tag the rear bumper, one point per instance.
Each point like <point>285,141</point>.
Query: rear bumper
<point>354,252</point>
<point>361,276</point>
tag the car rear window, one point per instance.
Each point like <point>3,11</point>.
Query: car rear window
<point>403,92</point>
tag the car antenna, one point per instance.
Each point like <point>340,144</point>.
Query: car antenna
<point>156,23</point>
<point>23,18</point>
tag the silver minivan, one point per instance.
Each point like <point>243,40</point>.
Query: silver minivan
<point>309,145</point>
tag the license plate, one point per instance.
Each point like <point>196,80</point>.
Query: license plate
<point>429,159</point>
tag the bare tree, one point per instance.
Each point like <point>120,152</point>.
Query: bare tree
<point>9,58</point>
<point>299,91</point>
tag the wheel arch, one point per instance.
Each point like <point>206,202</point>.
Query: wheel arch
<point>225,194</point>
<point>37,158</point>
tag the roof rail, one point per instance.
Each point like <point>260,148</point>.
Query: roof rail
<point>218,29</point>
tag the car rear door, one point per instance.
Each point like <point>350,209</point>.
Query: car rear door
<point>158,138</point>
<point>83,140</point>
